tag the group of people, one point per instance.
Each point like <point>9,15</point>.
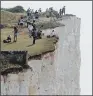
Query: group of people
<point>62,11</point>
<point>32,32</point>
<point>8,40</point>
<point>33,15</point>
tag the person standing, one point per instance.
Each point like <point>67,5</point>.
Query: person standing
<point>63,10</point>
<point>28,12</point>
<point>52,33</point>
<point>34,36</point>
<point>60,12</point>
<point>36,14</point>
<point>30,27</point>
<point>21,22</point>
<point>15,34</point>
<point>33,24</point>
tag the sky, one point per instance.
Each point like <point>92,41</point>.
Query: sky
<point>83,10</point>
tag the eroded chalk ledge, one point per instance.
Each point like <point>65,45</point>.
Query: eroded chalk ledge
<point>17,61</point>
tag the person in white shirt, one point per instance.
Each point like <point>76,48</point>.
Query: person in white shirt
<point>30,27</point>
<point>52,33</point>
<point>21,22</point>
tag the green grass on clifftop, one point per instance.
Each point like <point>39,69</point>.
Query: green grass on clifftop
<point>25,43</point>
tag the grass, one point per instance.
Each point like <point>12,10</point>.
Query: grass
<point>9,17</point>
<point>25,43</point>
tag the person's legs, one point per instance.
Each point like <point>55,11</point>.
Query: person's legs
<point>30,33</point>
<point>33,40</point>
<point>14,37</point>
<point>64,11</point>
<point>10,39</point>
<point>21,26</point>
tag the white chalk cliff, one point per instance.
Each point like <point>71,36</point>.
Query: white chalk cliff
<point>57,73</point>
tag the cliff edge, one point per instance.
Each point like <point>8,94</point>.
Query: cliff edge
<point>56,73</point>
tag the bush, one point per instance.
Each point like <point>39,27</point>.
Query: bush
<point>17,9</point>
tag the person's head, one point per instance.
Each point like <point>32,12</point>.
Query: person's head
<point>9,36</point>
<point>33,21</point>
<point>15,27</point>
<point>41,25</point>
<point>64,6</point>
<point>29,23</point>
<point>52,30</point>
<point>21,17</point>
<point>34,29</point>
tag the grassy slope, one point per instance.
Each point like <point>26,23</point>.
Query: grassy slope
<point>41,46</point>
<point>9,17</point>
<point>24,43</point>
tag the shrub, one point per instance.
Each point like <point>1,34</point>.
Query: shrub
<point>17,9</point>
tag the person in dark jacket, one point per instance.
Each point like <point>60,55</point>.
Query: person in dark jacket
<point>60,12</point>
<point>33,24</point>
<point>15,34</point>
<point>34,35</point>
<point>63,10</point>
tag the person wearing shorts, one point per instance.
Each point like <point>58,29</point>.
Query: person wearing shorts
<point>21,22</point>
<point>15,34</point>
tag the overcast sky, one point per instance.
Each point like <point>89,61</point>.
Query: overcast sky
<point>82,9</point>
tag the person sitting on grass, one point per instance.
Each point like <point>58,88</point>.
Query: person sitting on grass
<point>39,35</point>
<point>8,40</point>
<point>52,33</point>
<point>15,33</point>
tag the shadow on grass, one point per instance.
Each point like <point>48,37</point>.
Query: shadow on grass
<point>30,45</point>
<point>6,44</point>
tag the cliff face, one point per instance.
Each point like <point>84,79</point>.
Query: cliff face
<point>57,73</point>
<point>68,59</point>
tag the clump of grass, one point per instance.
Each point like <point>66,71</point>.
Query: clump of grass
<point>48,25</point>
